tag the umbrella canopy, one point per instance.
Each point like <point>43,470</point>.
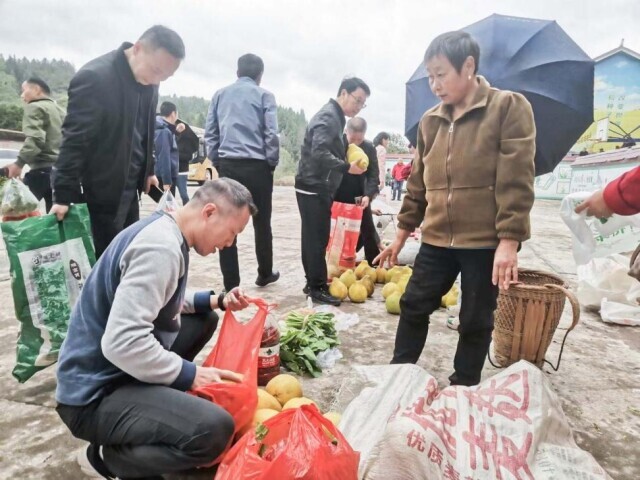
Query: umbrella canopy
<point>533,57</point>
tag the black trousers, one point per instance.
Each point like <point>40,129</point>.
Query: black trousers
<point>435,271</point>
<point>106,225</point>
<point>315,215</point>
<point>148,430</point>
<point>368,236</point>
<point>257,176</point>
<point>39,182</point>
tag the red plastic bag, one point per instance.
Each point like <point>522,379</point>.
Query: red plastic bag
<point>298,447</point>
<point>15,218</point>
<point>343,237</point>
<point>237,349</point>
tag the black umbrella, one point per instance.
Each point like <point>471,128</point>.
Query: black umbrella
<point>533,57</point>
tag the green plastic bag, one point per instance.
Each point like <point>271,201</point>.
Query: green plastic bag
<point>49,262</point>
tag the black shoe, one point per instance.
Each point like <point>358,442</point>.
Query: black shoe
<point>305,290</point>
<point>264,281</point>
<point>323,296</point>
<point>91,463</point>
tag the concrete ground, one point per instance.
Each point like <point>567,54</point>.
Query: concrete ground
<point>598,382</point>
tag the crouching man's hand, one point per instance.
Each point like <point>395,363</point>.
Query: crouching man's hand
<point>236,300</point>
<point>233,300</point>
<point>207,375</point>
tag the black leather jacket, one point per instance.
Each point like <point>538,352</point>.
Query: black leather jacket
<point>323,159</point>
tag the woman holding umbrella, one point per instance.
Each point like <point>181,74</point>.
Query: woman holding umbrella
<point>471,188</point>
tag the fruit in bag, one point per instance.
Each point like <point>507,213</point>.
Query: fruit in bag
<point>284,387</point>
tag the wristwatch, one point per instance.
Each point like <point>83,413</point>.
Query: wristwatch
<point>221,301</point>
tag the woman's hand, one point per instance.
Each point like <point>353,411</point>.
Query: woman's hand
<point>390,254</point>
<point>505,264</point>
<point>595,206</point>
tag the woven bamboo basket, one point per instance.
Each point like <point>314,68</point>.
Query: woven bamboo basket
<point>527,317</point>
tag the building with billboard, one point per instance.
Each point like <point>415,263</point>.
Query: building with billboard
<point>603,152</point>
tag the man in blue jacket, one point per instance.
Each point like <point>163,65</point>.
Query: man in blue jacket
<point>241,135</point>
<point>127,361</point>
<point>167,155</point>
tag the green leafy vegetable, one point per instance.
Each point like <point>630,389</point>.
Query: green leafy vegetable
<point>306,335</point>
<point>17,199</point>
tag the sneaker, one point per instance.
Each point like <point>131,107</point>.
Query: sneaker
<point>323,296</point>
<point>92,464</point>
<point>264,281</point>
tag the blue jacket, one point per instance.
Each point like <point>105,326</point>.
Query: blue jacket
<point>242,123</point>
<point>167,154</point>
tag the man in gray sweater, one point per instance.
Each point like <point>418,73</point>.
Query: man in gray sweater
<point>127,361</point>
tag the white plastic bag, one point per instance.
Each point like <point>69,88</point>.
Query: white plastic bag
<point>17,200</point>
<point>343,320</point>
<point>620,313</point>
<point>167,203</point>
<point>329,357</point>
<point>510,426</point>
<point>607,278</point>
<point>596,237</point>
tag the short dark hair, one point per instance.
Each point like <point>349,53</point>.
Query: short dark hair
<point>250,65</point>
<point>167,108</point>
<point>357,125</point>
<point>351,84</point>
<point>236,195</point>
<point>377,140</point>
<point>160,36</point>
<point>34,80</point>
<point>456,47</point>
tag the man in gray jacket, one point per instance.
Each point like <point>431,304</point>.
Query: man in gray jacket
<point>127,361</point>
<point>242,142</point>
<point>42,127</point>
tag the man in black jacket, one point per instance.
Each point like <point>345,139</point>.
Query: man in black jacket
<point>320,170</point>
<point>188,144</point>
<point>106,156</point>
<point>362,189</point>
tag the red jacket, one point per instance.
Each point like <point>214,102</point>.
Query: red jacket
<point>396,172</point>
<point>623,194</point>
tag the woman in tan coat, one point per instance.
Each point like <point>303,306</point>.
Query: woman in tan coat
<point>471,190</point>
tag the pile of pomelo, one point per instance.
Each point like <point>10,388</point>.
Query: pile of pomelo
<point>359,284</point>
<point>281,393</point>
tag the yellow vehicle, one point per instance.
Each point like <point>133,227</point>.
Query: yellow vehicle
<point>200,168</point>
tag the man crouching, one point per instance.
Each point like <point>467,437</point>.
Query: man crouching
<point>127,360</point>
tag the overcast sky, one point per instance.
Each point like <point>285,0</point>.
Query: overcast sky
<point>308,46</point>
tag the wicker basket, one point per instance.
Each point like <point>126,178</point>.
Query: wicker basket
<point>527,317</point>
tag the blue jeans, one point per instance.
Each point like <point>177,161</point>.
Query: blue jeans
<point>182,188</point>
<point>397,189</point>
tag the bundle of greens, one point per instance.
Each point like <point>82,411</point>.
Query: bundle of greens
<point>17,199</point>
<point>306,334</point>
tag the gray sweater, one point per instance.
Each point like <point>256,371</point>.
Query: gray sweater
<point>128,315</point>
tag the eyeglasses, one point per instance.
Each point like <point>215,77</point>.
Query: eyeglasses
<point>361,103</point>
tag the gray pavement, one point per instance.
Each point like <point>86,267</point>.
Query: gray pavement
<point>598,383</point>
